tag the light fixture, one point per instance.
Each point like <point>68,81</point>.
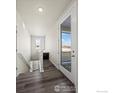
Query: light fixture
<point>40,9</point>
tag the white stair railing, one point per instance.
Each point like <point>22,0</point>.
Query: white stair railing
<point>31,66</point>
<point>39,62</point>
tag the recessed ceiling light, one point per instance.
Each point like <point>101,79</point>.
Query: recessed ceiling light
<point>40,9</point>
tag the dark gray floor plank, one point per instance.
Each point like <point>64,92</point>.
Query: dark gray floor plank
<point>50,81</point>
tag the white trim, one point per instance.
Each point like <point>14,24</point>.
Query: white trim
<point>71,10</point>
<point>66,14</point>
<point>53,62</point>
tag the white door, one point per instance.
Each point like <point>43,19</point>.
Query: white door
<point>37,43</point>
<point>68,44</point>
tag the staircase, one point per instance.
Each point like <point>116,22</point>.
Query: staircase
<point>22,65</point>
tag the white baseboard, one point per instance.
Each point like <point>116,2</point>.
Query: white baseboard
<point>54,63</point>
<point>17,74</point>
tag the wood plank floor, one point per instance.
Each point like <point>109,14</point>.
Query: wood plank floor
<point>50,81</point>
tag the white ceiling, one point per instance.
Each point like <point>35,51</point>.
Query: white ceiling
<point>38,22</point>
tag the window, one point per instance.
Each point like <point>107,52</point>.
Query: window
<point>66,41</point>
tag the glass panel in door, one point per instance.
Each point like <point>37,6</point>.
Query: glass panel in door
<point>66,44</point>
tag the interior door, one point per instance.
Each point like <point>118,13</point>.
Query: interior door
<point>37,43</point>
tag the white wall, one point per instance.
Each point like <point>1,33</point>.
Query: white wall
<point>52,44</point>
<point>23,43</point>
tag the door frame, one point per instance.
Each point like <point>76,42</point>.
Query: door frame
<point>71,11</point>
<point>66,72</point>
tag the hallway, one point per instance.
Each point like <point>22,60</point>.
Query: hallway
<point>50,81</point>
